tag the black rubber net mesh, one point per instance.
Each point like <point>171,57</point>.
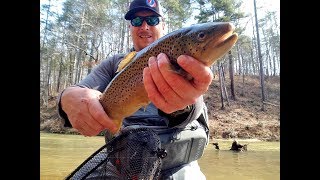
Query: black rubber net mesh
<point>134,154</point>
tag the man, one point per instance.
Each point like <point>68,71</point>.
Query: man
<point>175,101</point>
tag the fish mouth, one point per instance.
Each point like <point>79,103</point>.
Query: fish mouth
<point>220,44</point>
<point>227,36</point>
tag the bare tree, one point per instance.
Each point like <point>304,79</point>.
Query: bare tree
<point>231,76</point>
<point>259,57</point>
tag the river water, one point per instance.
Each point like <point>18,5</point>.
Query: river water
<point>60,154</point>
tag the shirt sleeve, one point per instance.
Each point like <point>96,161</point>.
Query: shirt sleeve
<point>102,74</point>
<point>98,79</point>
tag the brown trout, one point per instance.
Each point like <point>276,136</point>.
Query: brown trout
<point>206,42</point>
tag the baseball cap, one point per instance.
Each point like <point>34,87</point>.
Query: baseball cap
<point>138,5</point>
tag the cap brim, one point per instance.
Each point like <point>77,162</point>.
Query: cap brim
<point>130,13</point>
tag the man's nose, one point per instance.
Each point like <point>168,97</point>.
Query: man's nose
<point>144,25</point>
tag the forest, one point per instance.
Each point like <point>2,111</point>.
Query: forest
<point>74,39</point>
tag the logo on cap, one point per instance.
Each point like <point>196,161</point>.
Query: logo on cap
<point>151,3</point>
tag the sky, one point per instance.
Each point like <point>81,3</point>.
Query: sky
<point>247,6</point>
<point>263,6</point>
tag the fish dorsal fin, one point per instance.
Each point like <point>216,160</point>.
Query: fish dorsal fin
<point>125,61</point>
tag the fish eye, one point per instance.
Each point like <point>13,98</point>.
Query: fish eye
<point>201,36</point>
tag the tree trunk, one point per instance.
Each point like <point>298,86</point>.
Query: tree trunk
<point>241,70</point>
<point>79,50</point>
<point>71,64</point>
<point>91,62</point>
<point>225,92</point>
<point>231,74</point>
<point>122,37</point>
<point>221,87</point>
<point>274,65</point>
<point>260,59</point>
<point>59,73</point>
<point>268,57</point>
<point>240,66</point>
<point>254,47</point>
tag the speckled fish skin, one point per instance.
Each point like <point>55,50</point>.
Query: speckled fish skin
<point>206,42</point>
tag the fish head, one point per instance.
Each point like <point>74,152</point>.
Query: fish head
<point>208,42</point>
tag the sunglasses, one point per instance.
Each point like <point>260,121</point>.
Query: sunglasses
<point>151,20</point>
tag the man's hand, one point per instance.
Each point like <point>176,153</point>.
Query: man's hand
<point>168,90</point>
<point>85,112</point>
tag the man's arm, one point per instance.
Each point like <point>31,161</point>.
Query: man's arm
<point>79,105</point>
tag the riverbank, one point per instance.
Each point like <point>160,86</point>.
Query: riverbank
<point>243,118</point>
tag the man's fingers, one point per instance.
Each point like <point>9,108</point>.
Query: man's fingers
<point>153,93</point>
<point>160,82</point>
<point>202,75</point>
<point>100,117</point>
<point>179,84</point>
<point>79,123</point>
<point>87,129</point>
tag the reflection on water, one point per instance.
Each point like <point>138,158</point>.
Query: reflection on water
<point>60,154</point>
<point>261,161</point>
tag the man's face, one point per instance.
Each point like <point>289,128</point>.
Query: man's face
<point>145,34</point>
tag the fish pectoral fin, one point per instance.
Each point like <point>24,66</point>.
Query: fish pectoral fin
<point>125,61</point>
<point>144,108</point>
<point>145,104</point>
<point>181,72</point>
